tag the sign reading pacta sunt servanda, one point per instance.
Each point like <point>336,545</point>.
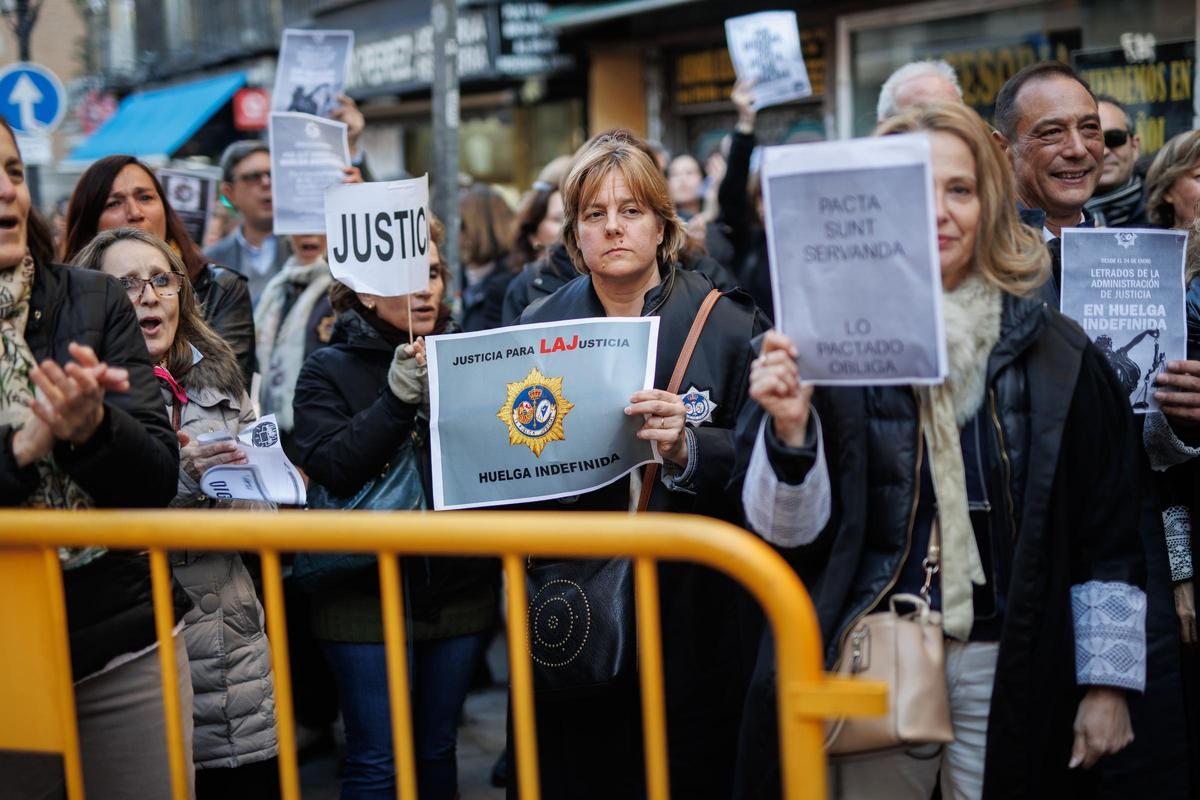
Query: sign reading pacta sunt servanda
<point>537,412</point>
<point>855,270</point>
<point>378,235</point>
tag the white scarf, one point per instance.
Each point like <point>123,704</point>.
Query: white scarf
<point>972,314</point>
<point>280,340</point>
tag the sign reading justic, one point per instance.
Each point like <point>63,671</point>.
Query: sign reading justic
<point>312,70</point>
<point>1125,289</point>
<point>765,49</point>
<point>855,271</point>
<point>308,154</point>
<point>379,235</point>
<point>535,412</point>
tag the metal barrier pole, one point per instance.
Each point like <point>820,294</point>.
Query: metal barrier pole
<point>285,719</point>
<point>650,664</point>
<point>520,668</point>
<point>394,640</point>
<point>164,624</point>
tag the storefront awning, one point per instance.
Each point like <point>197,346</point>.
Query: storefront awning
<point>153,125</point>
<point>577,17</point>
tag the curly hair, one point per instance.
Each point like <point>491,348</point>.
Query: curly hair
<point>619,150</point>
<point>1008,254</point>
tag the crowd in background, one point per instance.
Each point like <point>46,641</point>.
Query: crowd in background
<point>126,349</point>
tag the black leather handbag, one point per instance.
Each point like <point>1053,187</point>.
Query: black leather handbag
<point>582,628</point>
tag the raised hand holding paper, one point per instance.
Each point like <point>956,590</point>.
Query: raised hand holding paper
<point>535,412</point>
<point>379,235</point>
<point>308,154</point>
<point>312,70</point>
<point>765,50</point>
<point>855,271</point>
<point>1125,289</point>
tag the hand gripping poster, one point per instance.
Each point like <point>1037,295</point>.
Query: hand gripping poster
<point>1125,289</point>
<point>855,271</point>
<point>535,412</point>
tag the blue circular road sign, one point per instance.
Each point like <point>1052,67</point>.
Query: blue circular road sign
<point>32,98</point>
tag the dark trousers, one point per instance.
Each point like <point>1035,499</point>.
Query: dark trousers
<point>257,781</point>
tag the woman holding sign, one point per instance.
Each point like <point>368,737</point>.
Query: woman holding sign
<point>1003,501</point>
<point>624,237</point>
<point>362,428</point>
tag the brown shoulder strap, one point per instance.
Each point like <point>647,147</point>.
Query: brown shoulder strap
<point>681,365</point>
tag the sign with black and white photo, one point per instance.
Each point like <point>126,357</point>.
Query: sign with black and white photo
<point>536,412</point>
<point>1125,289</point>
<point>765,48</point>
<point>308,155</point>
<point>312,71</point>
<point>855,270</point>
<point>378,235</point>
<point>193,195</point>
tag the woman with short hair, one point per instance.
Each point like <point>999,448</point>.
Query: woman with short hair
<point>1024,460</point>
<point>624,237</point>
<point>234,746</point>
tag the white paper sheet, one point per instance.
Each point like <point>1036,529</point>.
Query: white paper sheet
<point>268,477</point>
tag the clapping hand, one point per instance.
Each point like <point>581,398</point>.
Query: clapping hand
<point>71,404</point>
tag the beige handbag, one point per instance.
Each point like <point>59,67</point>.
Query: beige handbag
<point>906,651</point>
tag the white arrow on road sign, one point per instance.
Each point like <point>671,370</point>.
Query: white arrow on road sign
<point>25,95</point>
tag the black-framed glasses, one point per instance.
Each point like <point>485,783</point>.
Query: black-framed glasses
<point>1115,138</point>
<point>254,177</point>
<point>164,284</point>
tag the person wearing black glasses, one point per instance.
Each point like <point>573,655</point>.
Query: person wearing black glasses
<point>1120,198</point>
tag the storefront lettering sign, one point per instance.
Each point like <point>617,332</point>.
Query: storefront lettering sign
<point>405,59</point>
<point>1157,92</point>
<point>526,47</point>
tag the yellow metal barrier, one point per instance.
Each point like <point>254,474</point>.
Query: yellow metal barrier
<point>806,694</point>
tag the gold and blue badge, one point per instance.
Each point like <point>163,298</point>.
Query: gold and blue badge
<point>698,406</point>
<point>534,411</point>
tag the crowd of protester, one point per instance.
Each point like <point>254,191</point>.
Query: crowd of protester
<point>113,370</point>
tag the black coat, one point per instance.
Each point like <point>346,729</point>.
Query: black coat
<point>536,280</point>
<point>1063,455</point>
<point>739,223</point>
<point>589,748</point>
<point>483,302</point>
<point>131,461</point>
<point>349,425</point>
<point>224,296</point>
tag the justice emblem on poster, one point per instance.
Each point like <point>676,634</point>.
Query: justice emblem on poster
<point>534,411</point>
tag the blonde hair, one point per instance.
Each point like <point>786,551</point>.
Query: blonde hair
<point>1009,255</point>
<point>192,329</point>
<point>620,151</point>
<point>1177,158</point>
<point>1192,265</point>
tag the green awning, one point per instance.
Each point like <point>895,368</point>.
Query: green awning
<point>577,17</point>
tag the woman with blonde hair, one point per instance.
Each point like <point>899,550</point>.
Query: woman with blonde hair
<point>1173,183</point>
<point>1023,461</point>
<point>624,237</point>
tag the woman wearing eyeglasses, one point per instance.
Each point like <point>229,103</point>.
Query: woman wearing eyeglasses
<point>202,388</point>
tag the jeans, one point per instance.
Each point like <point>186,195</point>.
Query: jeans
<point>439,675</point>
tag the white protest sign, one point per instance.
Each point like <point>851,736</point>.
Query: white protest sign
<point>535,412</point>
<point>1125,289</point>
<point>308,154</point>
<point>855,271</point>
<point>269,476</point>
<point>765,48</point>
<point>311,71</point>
<point>379,235</point>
